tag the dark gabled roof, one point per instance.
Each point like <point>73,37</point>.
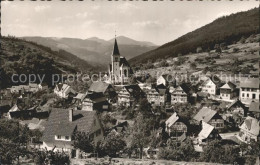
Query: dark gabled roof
<point>229,85</point>
<point>254,107</point>
<point>123,61</point>
<point>98,87</point>
<point>65,129</point>
<point>58,123</point>
<point>182,87</point>
<point>161,86</point>
<point>250,83</point>
<point>134,90</point>
<point>205,114</point>
<point>96,97</point>
<point>215,79</point>
<point>237,102</point>
<point>115,49</point>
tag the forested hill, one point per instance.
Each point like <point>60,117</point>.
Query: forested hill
<point>22,57</point>
<point>226,29</point>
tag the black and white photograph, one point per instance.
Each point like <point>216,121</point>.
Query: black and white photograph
<point>129,82</point>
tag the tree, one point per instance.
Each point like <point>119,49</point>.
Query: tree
<point>183,152</point>
<point>83,141</point>
<point>217,48</point>
<point>193,65</point>
<point>151,80</point>
<point>51,157</point>
<point>112,144</point>
<point>217,152</point>
<point>139,135</point>
<point>242,40</point>
<point>13,141</point>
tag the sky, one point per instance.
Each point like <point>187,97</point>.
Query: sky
<point>158,22</point>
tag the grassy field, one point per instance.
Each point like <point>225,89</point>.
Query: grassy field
<point>246,53</point>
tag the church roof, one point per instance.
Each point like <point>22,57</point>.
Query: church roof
<point>115,50</point>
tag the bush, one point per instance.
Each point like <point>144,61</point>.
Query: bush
<point>235,50</point>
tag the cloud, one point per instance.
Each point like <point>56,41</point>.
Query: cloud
<point>95,7</point>
<point>40,8</point>
<point>125,7</point>
<point>148,24</point>
<point>5,3</point>
<point>82,15</point>
<point>89,23</point>
<point>221,14</point>
<point>22,20</point>
<point>111,25</point>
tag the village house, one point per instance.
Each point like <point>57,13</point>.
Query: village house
<point>95,101</point>
<point>179,94</point>
<point>105,88</point>
<point>157,95</point>
<point>228,91</point>
<point>122,125</point>
<point>237,107</point>
<point>128,94</point>
<point>254,109</point>
<point>207,134</point>
<point>165,79</point>
<point>249,129</point>
<point>175,126</point>
<point>79,99</point>
<point>211,85</point>
<point>249,90</point>
<point>211,117</point>
<point>31,87</point>
<point>64,91</point>
<point>63,123</point>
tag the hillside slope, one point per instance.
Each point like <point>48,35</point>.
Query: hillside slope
<point>22,57</point>
<point>225,29</point>
<point>95,50</point>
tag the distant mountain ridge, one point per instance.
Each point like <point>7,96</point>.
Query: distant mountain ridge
<point>95,50</point>
<point>226,29</point>
<point>22,57</point>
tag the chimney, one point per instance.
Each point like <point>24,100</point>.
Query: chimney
<point>71,115</point>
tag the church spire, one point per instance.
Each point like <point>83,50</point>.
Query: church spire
<point>115,50</point>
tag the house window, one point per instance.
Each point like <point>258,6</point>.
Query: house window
<point>58,137</point>
<point>105,106</point>
<point>67,138</point>
<point>253,96</point>
<point>247,95</point>
<point>243,95</point>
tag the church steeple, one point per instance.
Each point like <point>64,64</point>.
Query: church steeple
<point>115,50</point>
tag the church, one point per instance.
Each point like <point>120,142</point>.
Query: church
<point>119,69</point>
